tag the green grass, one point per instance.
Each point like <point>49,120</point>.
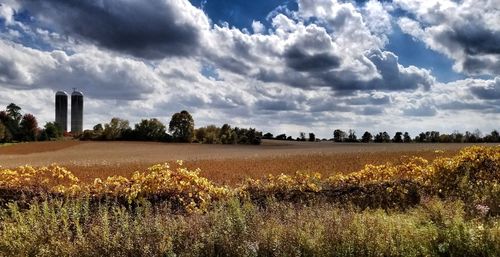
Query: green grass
<point>232,228</point>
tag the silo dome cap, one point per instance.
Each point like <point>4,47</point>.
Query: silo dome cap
<point>61,93</point>
<point>78,93</point>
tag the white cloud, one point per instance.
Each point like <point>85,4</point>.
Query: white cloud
<point>258,27</point>
<point>467,31</point>
<point>320,68</point>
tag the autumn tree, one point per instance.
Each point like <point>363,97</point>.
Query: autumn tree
<point>28,128</point>
<point>182,127</point>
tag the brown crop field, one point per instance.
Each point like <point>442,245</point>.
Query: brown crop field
<point>225,164</point>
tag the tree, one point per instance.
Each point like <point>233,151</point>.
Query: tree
<point>10,120</point>
<point>312,137</point>
<point>208,134</point>
<point>281,137</point>
<point>28,128</point>
<point>182,127</point>
<point>14,112</point>
<point>382,137</point>
<point>268,135</point>
<point>115,128</point>
<point>151,129</point>
<point>247,136</point>
<point>367,137</point>
<point>302,136</point>
<point>406,138</point>
<point>199,134</point>
<point>422,137</point>
<point>227,135</point>
<point>493,137</point>
<point>352,136</point>
<point>98,128</point>
<point>339,135</point>
<point>457,137</point>
<point>3,132</point>
<point>52,130</point>
<point>398,137</point>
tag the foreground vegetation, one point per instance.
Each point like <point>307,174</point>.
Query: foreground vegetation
<point>447,207</point>
<point>234,228</point>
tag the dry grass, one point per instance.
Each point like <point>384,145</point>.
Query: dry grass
<point>225,164</point>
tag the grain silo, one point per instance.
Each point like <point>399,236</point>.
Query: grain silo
<point>76,112</point>
<point>62,110</point>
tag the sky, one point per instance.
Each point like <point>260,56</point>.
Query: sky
<point>280,66</point>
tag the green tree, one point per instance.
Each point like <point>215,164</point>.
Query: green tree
<point>115,129</point>
<point>28,128</point>
<point>11,119</point>
<point>151,129</point>
<point>211,135</point>
<point>339,135</point>
<point>352,136</point>
<point>14,112</point>
<point>268,135</point>
<point>398,137</point>
<point>281,137</point>
<point>98,128</point>
<point>406,137</point>
<point>200,134</point>
<point>53,130</point>
<point>227,135</point>
<point>182,127</point>
<point>382,137</point>
<point>367,137</point>
<point>312,137</point>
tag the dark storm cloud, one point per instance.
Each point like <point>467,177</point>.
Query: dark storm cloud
<point>299,60</point>
<point>393,78</point>
<point>149,29</point>
<point>477,65</point>
<point>476,39</point>
<point>9,71</point>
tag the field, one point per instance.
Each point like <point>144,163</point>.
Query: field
<point>332,200</point>
<point>225,164</point>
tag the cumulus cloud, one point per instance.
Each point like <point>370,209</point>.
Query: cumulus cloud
<point>154,30</point>
<point>324,65</point>
<point>308,55</point>
<point>466,31</point>
<point>101,74</point>
<point>489,90</point>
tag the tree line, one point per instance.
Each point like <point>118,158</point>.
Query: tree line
<point>15,127</point>
<point>181,129</point>
<point>350,136</point>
